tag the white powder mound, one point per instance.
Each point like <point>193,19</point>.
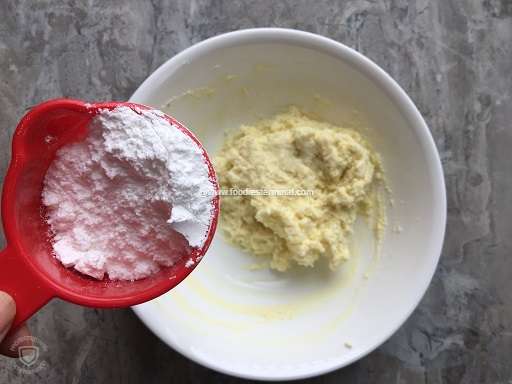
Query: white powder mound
<point>117,200</point>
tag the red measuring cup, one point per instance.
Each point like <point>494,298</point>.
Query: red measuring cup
<point>29,272</point>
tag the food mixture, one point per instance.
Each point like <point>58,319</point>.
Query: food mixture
<point>133,197</point>
<point>334,172</point>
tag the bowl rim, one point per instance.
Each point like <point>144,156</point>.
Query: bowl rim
<point>392,90</point>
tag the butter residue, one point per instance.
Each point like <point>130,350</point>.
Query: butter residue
<point>292,151</point>
<point>196,93</point>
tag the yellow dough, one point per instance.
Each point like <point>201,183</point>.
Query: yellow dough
<point>335,168</point>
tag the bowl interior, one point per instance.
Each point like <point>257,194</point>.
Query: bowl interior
<point>234,317</point>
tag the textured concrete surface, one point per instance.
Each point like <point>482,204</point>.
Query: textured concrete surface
<point>453,57</point>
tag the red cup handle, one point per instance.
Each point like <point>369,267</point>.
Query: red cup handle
<point>19,281</point>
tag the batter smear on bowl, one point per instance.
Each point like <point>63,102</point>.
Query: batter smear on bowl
<point>328,175</point>
<point>133,197</point>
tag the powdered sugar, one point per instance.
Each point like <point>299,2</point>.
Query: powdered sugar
<point>116,200</point>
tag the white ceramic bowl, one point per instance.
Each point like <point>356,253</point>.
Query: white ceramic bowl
<point>270,326</point>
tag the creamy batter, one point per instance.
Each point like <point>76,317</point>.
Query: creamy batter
<point>291,151</point>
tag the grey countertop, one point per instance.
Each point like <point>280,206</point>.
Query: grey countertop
<point>453,57</point>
